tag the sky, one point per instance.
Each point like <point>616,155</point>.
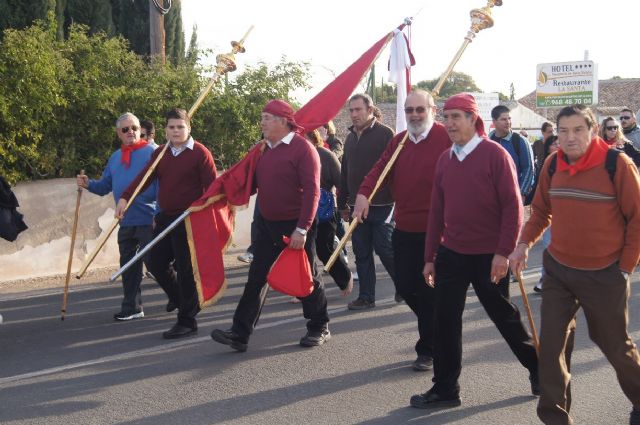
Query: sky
<point>332,34</point>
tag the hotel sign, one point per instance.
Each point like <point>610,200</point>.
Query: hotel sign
<point>566,83</point>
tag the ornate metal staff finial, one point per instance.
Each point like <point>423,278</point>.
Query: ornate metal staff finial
<point>480,19</point>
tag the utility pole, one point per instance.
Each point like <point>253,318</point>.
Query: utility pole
<point>156,31</point>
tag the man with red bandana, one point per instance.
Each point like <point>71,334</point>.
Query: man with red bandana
<point>135,229</point>
<point>287,180</point>
<point>594,249</point>
<point>474,221</point>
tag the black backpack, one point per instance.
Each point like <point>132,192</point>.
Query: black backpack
<point>609,163</point>
<point>11,223</point>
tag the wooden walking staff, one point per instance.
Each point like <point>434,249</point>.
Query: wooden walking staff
<point>532,325</point>
<point>73,243</point>
<point>480,19</point>
<point>224,63</point>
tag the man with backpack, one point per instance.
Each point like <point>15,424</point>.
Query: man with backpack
<point>595,247</point>
<point>518,148</point>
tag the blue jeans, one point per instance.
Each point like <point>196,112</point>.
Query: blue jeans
<point>374,234</point>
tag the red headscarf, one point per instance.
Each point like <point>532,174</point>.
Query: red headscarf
<point>595,155</point>
<point>280,108</point>
<point>467,103</point>
<point>127,149</point>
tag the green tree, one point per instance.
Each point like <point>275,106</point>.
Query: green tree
<point>457,82</point>
<point>174,34</point>
<point>61,99</point>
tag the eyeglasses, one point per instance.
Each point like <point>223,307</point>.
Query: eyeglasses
<point>624,118</point>
<point>612,127</point>
<point>125,130</point>
<point>419,109</point>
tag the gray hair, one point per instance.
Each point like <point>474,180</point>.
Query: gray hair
<point>127,116</point>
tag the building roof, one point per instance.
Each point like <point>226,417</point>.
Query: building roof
<point>613,95</point>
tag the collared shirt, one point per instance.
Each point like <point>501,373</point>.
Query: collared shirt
<point>421,136</point>
<point>286,140</point>
<point>463,151</point>
<point>177,151</point>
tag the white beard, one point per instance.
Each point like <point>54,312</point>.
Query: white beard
<point>418,128</point>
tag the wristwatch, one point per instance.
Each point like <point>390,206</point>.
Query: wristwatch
<point>302,231</point>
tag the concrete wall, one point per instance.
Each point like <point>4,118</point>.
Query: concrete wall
<point>48,207</point>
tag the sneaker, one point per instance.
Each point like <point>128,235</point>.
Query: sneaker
<point>122,316</point>
<point>431,399</point>
<point>423,363</point>
<point>229,338</point>
<point>355,276</point>
<point>315,338</point>
<point>360,304</point>
<point>247,257</point>
<point>535,383</point>
<point>634,418</point>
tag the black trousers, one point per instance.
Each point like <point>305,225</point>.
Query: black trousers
<point>454,272</point>
<point>408,255</point>
<point>268,246</point>
<point>325,236</point>
<point>130,240</point>
<point>170,263</point>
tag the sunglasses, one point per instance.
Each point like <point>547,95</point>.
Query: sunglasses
<point>625,118</point>
<point>419,109</point>
<point>612,127</point>
<point>125,130</point>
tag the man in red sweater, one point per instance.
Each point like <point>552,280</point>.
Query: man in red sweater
<point>594,249</point>
<point>411,181</point>
<point>288,183</point>
<point>184,173</point>
<point>475,217</point>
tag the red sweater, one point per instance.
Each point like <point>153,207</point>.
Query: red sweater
<point>411,178</point>
<point>182,179</point>
<point>475,205</point>
<point>288,181</point>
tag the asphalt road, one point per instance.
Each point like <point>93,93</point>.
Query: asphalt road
<point>89,369</point>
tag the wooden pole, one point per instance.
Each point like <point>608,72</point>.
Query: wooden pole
<point>73,243</point>
<point>156,32</point>
<point>532,325</point>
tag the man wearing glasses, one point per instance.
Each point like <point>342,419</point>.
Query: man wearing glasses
<point>148,132</point>
<point>411,181</point>
<point>135,229</point>
<point>630,126</point>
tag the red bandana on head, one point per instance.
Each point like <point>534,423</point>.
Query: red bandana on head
<point>127,149</point>
<point>280,108</point>
<point>595,155</point>
<point>467,103</point>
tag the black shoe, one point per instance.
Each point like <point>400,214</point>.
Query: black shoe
<point>535,383</point>
<point>229,338</point>
<point>171,306</point>
<point>315,338</point>
<point>634,418</point>
<point>423,363</point>
<point>179,331</point>
<point>398,298</point>
<point>123,316</point>
<point>360,304</point>
<point>538,288</point>
<point>431,399</point>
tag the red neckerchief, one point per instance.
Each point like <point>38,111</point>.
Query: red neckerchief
<point>127,149</point>
<point>594,156</point>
